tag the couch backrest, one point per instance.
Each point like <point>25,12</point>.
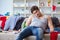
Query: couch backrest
<point>55,22</point>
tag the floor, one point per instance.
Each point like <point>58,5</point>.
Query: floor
<point>13,35</point>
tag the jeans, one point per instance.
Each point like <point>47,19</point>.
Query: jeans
<point>38,32</point>
<point>55,29</point>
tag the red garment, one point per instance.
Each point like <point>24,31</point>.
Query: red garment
<point>3,19</point>
<point>53,7</point>
<point>53,35</point>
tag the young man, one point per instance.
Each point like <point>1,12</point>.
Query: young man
<point>36,24</point>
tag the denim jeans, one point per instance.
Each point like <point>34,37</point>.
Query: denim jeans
<point>55,29</point>
<point>38,32</point>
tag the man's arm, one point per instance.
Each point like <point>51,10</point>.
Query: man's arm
<point>28,22</point>
<point>50,24</point>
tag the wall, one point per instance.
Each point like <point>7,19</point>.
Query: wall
<point>6,6</point>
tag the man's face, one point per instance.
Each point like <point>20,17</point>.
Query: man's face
<point>36,13</point>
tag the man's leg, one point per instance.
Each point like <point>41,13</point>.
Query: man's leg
<point>25,33</point>
<point>38,32</point>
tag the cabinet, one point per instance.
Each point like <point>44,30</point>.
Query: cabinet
<point>22,7</point>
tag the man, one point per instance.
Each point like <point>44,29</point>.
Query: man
<point>36,24</point>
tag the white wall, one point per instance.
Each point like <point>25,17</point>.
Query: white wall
<point>6,6</point>
<point>0,5</point>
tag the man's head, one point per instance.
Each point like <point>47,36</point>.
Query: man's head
<point>35,10</point>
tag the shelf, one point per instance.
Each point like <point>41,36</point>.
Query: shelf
<point>31,4</point>
<point>57,13</point>
<point>45,6</point>
<point>46,13</point>
<point>18,6</point>
<point>58,16</point>
<point>16,1</point>
<point>23,7</point>
<point>58,6</point>
<point>44,3</point>
<point>31,0</point>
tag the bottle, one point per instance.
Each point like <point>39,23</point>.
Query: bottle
<point>0,26</point>
<point>49,2</point>
<point>0,29</point>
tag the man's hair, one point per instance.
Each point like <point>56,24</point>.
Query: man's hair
<point>33,8</point>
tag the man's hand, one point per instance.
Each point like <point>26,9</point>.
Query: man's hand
<point>50,24</point>
<point>52,30</point>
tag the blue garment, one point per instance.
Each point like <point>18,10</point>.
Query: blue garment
<point>31,30</point>
<point>10,23</point>
<point>38,32</point>
<point>55,29</point>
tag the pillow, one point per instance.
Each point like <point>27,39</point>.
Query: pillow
<point>55,21</point>
<point>23,24</point>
